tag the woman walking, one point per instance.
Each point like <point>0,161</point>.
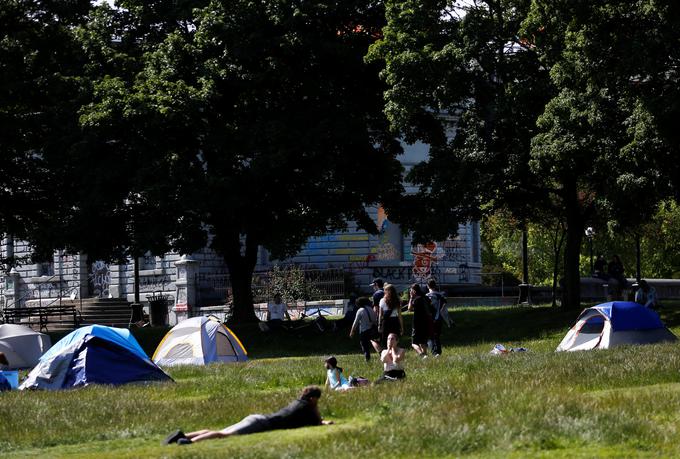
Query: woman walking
<point>390,320</point>
<point>367,324</point>
<point>422,320</point>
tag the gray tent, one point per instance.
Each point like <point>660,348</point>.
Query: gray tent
<point>22,346</point>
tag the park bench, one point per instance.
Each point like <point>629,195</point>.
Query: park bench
<point>42,316</point>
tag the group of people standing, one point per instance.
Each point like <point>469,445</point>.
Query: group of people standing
<point>376,320</point>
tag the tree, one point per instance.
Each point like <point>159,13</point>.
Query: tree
<point>86,186</point>
<point>40,92</point>
<point>548,121</point>
<point>273,119</point>
<point>464,68</point>
<point>598,143</point>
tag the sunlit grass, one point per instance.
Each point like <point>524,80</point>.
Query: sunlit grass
<point>619,403</point>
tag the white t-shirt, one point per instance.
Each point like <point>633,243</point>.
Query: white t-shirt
<point>386,310</point>
<point>276,311</point>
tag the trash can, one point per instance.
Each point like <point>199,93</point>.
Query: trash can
<point>158,312</point>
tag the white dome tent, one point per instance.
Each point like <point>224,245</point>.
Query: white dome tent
<point>199,341</point>
<point>22,346</point>
<point>614,324</point>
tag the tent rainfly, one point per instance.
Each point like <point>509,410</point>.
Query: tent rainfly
<point>93,355</point>
<point>199,341</point>
<point>22,346</point>
<point>615,324</point>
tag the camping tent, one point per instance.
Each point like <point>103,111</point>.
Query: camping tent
<point>93,355</point>
<point>22,346</point>
<point>614,324</point>
<point>198,341</point>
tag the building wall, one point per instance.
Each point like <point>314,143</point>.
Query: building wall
<point>388,255</point>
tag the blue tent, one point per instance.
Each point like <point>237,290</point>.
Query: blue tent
<point>614,324</point>
<point>94,355</point>
<point>627,315</point>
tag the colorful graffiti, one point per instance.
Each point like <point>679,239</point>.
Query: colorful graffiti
<point>425,256</point>
<point>385,250</point>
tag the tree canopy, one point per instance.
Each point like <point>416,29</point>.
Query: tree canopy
<point>41,90</point>
<point>546,126</point>
<point>271,118</point>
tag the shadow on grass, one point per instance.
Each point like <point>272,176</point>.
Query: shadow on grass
<point>473,325</point>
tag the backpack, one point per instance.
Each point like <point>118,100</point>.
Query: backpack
<point>438,301</point>
<point>429,307</point>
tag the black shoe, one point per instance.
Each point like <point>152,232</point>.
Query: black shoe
<point>173,437</point>
<point>184,441</point>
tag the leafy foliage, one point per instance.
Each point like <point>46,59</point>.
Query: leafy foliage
<point>291,284</point>
<point>463,69</point>
<point>259,112</point>
<point>41,90</point>
<point>558,120</point>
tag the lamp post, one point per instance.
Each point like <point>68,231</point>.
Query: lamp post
<point>590,232</point>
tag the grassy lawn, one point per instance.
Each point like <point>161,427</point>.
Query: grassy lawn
<point>623,402</point>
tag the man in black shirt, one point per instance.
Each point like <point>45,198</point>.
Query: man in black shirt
<point>300,413</point>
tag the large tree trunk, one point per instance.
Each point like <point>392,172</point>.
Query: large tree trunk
<point>241,266</point>
<point>571,292</point>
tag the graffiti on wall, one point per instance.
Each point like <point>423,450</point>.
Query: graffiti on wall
<point>153,283</point>
<point>47,290</point>
<point>425,258</point>
<point>455,251</point>
<point>358,263</point>
<point>385,250</point>
<point>100,279</point>
<point>70,266</point>
<point>463,272</point>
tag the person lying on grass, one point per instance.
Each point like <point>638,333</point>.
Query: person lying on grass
<point>300,413</point>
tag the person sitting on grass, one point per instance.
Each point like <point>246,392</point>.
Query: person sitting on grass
<point>334,378</point>
<point>277,311</point>
<point>646,295</point>
<point>392,359</point>
<point>300,413</point>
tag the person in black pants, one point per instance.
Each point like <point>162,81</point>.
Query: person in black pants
<point>300,413</point>
<point>367,324</point>
<point>422,320</point>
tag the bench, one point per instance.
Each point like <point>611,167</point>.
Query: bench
<point>41,316</point>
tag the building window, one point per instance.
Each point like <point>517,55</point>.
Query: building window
<point>9,247</point>
<point>46,268</point>
<point>147,262</point>
<point>474,243</point>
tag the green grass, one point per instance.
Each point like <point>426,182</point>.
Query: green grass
<point>623,402</point>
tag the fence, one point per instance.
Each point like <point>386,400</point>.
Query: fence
<point>215,288</point>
